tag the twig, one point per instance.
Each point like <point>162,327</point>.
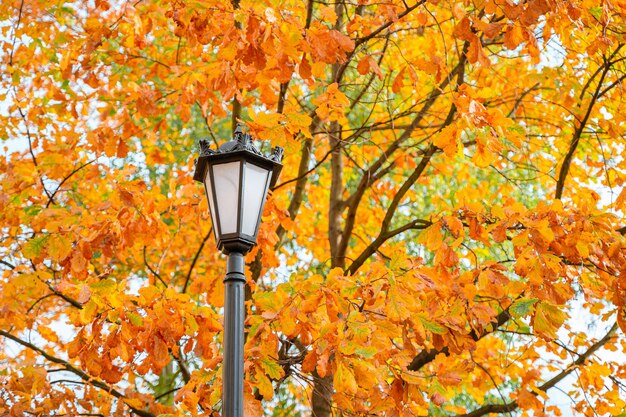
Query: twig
<point>195,259</point>
<point>51,197</point>
<point>150,268</point>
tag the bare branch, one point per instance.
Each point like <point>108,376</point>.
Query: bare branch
<point>7,264</point>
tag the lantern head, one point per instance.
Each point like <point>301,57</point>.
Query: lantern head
<point>236,179</point>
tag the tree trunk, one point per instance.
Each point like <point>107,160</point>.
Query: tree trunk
<point>323,386</point>
<point>322,395</point>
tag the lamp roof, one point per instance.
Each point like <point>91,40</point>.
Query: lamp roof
<point>242,143</point>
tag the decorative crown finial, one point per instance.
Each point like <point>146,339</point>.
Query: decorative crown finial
<point>204,148</point>
<point>277,154</point>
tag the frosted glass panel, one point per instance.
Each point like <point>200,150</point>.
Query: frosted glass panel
<point>255,187</point>
<point>226,177</point>
<point>209,195</point>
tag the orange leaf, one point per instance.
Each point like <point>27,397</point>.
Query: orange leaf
<point>464,30</point>
<point>621,319</point>
<point>84,295</point>
<point>398,82</point>
<point>304,69</point>
<point>513,37</point>
<point>476,53</point>
<point>437,399</point>
<point>159,349</point>
<point>369,64</point>
<point>251,406</point>
<point>447,140</point>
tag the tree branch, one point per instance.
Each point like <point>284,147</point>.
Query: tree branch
<point>30,149</point>
<point>551,383</point>
<point>579,130</point>
<point>360,41</point>
<point>296,199</point>
<point>7,264</point>
<point>70,300</point>
<point>369,176</point>
<point>17,26</point>
<point>51,197</point>
<point>195,259</point>
<point>427,356</point>
<point>82,375</point>
<point>156,274</point>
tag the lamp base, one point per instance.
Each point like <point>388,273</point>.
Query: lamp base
<point>237,244</point>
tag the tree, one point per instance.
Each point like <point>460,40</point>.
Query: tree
<point>451,203</point>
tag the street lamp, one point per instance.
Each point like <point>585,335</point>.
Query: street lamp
<point>236,178</point>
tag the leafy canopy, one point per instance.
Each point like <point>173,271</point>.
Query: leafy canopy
<point>445,237</point>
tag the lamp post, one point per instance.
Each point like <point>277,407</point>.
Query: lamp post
<point>236,178</point>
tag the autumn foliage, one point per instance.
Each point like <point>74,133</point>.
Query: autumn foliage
<point>446,237</point>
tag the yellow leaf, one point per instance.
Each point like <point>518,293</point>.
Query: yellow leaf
<point>48,334</point>
<point>397,302</point>
<point>543,227</point>
<point>264,385</point>
<point>297,122</point>
<point>88,312</point>
<point>344,380</point>
<point>134,402</point>
<point>365,372</point>
<point>548,319</point>
<point>483,157</point>
<point>432,237</point>
<point>59,247</point>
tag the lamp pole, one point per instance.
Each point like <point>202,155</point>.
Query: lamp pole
<point>232,377</point>
<point>236,178</point>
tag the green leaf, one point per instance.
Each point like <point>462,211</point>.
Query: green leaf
<point>271,368</point>
<point>366,352</point>
<point>32,211</point>
<point>596,12</point>
<point>522,307</point>
<point>33,248</point>
<point>135,319</point>
<point>433,327</point>
<point>104,286</point>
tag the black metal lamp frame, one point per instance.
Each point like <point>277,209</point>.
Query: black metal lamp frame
<point>235,245</point>
<point>242,150</point>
